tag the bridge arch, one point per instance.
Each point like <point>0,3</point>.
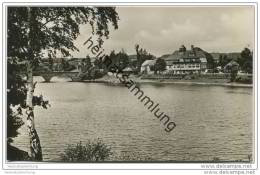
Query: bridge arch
<point>47,76</point>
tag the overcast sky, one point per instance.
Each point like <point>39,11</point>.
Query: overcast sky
<point>161,30</point>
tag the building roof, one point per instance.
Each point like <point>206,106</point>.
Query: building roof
<point>192,54</point>
<point>148,63</point>
<point>174,56</point>
<point>231,63</point>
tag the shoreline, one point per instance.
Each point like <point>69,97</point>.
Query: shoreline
<point>210,82</point>
<point>202,83</point>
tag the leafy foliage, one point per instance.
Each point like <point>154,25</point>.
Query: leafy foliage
<point>120,59</point>
<point>160,65</point>
<point>52,29</point>
<point>16,93</point>
<point>233,73</point>
<point>55,28</point>
<point>65,66</point>
<point>92,151</point>
<point>85,64</point>
<point>142,56</point>
<point>223,60</point>
<point>246,60</point>
<point>16,96</point>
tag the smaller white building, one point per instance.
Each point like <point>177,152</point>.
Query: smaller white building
<point>147,66</point>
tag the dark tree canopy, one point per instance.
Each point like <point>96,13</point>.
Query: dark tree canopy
<point>16,97</point>
<point>223,60</point>
<point>246,60</point>
<point>32,30</point>
<point>142,56</point>
<point>54,28</point>
<point>160,65</point>
<point>120,59</point>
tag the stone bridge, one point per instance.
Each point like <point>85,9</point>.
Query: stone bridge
<point>74,76</point>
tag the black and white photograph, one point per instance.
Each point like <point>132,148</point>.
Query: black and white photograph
<point>130,84</point>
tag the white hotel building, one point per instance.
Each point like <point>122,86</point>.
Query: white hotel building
<point>186,61</point>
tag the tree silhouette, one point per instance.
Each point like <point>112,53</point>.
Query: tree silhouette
<point>53,29</point>
<point>142,56</point>
<point>246,60</point>
<point>160,65</point>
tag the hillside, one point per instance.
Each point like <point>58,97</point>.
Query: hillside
<point>232,55</point>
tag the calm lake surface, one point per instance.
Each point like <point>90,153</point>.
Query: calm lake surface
<point>212,121</point>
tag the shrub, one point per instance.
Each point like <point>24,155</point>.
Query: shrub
<point>92,151</point>
<point>246,80</point>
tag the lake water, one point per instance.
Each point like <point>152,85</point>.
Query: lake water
<point>212,121</point>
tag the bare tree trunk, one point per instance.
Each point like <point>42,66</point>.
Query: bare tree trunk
<point>35,146</point>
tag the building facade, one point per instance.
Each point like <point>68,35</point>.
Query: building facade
<point>186,61</point>
<point>146,67</point>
